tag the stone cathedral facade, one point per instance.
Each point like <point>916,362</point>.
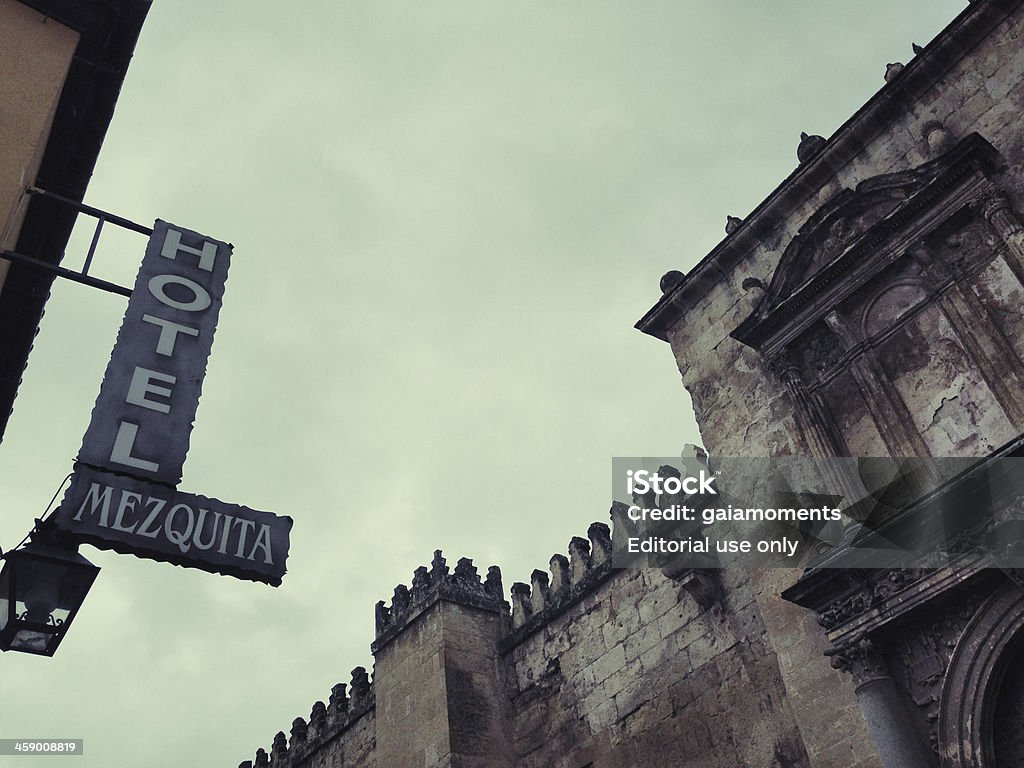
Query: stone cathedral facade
<point>871,306</point>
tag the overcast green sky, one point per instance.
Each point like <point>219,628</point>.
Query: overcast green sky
<point>446,218</point>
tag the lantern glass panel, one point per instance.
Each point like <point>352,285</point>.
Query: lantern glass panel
<point>30,641</point>
<point>41,589</point>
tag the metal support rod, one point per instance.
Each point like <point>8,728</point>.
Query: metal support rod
<point>112,218</point>
<point>77,277</point>
<point>92,245</point>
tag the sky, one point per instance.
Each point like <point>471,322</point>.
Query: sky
<point>446,218</point>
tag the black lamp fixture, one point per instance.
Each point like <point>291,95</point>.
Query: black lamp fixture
<point>42,586</point>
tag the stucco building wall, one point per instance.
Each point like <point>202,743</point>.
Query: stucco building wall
<point>35,53</point>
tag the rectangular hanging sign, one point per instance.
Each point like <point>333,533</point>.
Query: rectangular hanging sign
<point>133,516</point>
<point>147,403</point>
<point>122,494</point>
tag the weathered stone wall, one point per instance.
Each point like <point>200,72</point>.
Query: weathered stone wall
<point>635,671</point>
<point>742,408</point>
<point>822,699</point>
<point>352,748</point>
<point>971,79</point>
<point>440,700</point>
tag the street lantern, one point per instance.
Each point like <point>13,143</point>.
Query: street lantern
<point>42,586</point>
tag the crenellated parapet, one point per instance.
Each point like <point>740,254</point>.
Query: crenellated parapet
<point>567,580</point>
<point>463,586</point>
<point>326,721</point>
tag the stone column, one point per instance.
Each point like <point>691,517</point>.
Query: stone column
<point>816,426</point>
<point>998,212</point>
<point>899,743</point>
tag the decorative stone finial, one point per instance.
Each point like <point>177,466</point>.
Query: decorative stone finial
<point>466,571</point>
<point>561,582</point>
<point>892,71</point>
<point>420,579</point>
<point>262,758</point>
<point>299,731</point>
<point>579,558</point>
<point>539,590</point>
<point>671,279</point>
<point>280,746</point>
<point>400,600</point>
<point>492,584</point>
<point>462,586</point>
<point>438,567</point>
<point>521,608</point>
<point>360,682</point>
<point>600,536</point>
<point>732,223</point>
<point>338,701</point>
<point>318,715</point>
<point>937,137</point>
<point>809,146</point>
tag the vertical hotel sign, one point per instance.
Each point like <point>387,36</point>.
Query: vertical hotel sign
<point>147,404</point>
<point>122,495</point>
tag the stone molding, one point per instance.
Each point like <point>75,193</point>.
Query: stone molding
<point>965,736</point>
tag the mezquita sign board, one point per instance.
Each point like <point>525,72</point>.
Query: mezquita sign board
<point>122,495</point>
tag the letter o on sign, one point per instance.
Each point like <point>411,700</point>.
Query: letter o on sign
<point>200,297</point>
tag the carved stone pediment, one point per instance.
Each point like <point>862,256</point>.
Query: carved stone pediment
<point>858,233</point>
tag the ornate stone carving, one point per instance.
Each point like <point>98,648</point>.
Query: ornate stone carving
<point>875,590</point>
<point>936,137</point>
<point>822,353</point>
<point>810,145</point>
<point>861,659</point>
<point>671,279</point>
<point>924,657</point>
<point>965,708</point>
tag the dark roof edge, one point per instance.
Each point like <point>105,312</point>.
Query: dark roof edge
<point>108,31</point>
<point>962,34</point>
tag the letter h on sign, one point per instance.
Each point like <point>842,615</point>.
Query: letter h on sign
<point>148,399</point>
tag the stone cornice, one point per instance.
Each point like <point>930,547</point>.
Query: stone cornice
<point>872,119</point>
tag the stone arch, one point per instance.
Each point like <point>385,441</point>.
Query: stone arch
<point>890,304</point>
<point>973,679</point>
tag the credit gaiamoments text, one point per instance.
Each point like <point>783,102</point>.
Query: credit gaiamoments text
<point>711,515</point>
